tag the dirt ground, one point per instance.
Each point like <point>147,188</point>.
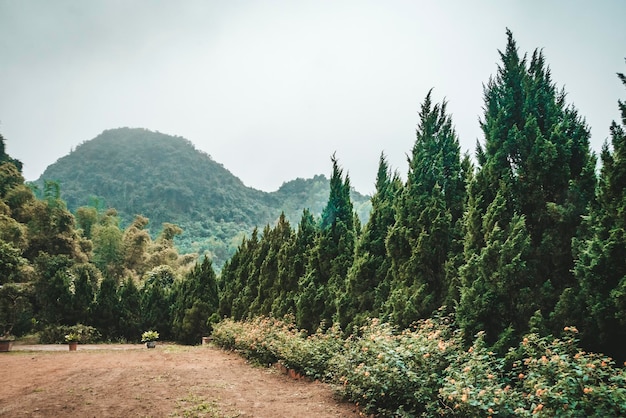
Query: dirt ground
<point>167,381</point>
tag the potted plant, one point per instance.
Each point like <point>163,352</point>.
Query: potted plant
<point>150,337</point>
<point>6,340</point>
<point>72,339</point>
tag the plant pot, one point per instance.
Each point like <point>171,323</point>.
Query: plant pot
<point>5,345</point>
<point>206,340</point>
<point>151,344</point>
<point>73,345</point>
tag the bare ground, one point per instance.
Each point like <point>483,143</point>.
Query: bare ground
<point>168,381</point>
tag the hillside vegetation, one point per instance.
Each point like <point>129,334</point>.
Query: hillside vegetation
<point>494,288</point>
<point>166,179</point>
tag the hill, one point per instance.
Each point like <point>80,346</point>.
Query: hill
<point>166,179</point>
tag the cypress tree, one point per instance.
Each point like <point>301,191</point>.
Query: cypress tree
<point>195,299</point>
<point>129,311</point>
<point>322,294</point>
<point>535,161</point>
<point>600,266</point>
<point>426,213</point>
<point>368,281</point>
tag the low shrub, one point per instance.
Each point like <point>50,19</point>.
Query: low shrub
<point>84,334</point>
<point>427,371</point>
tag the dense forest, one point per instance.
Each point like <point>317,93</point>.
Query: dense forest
<point>166,179</point>
<point>526,236</point>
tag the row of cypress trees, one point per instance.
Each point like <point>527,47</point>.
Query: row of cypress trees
<point>524,236</point>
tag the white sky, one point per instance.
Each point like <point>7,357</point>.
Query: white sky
<point>271,89</point>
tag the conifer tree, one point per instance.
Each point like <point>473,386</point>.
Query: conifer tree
<point>536,162</point>
<point>600,266</point>
<point>156,298</point>
<point>368,278</point>
<point>130,321</point>
<point>322,294</point>
<point>195,299</point>
<point>426,213</point>
<point>272,269</point>
<point>292,261</point>
<point>106,309</point>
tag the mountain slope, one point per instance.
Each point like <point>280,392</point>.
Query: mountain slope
<point>167,179</point>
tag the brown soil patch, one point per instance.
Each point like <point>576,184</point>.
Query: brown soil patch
<point>168,381</point>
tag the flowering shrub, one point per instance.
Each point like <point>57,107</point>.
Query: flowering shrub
<point>384,371</point>
<point>543,377</point>
<point>270,340</point>
<point>426,370</point>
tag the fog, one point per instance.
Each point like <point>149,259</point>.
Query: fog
<point>272,89</point>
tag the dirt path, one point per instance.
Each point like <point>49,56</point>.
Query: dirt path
<point>168,381</point>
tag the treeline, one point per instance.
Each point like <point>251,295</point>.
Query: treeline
<point>58,270</point>
<point>526,237</point>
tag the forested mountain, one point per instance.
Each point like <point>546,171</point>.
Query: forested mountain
<point>166,179</point>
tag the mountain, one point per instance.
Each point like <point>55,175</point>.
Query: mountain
<point>165,178</point>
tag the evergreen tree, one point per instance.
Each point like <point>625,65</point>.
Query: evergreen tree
<point>85,282</point>
<point>536,165</point>
<point>426,213</point>
<point>156,299</point>
<point>368,282</point>
<point>130,318</point>
<point>272,270</point>
<point>322,296</point>
<point>292,261</point>
<point>106,309</point>
<point>195,299</point>
<point>600,266</point>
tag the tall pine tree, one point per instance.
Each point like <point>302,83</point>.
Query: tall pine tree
<point>322,296</point>
<point>368,278</point>
<point>600,265</point>
<point>537,164</point>
<point>426,215</point>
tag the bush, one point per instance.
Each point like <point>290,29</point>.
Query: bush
<point>56,334</point>
<point>399,373</point>
<point>426,370</point>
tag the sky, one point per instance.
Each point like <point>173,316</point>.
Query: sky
<point>271,89</point>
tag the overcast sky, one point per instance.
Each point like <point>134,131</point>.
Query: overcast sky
<point>271,89</point>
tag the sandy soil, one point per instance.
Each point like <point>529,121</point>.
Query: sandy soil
<point>168,381</point>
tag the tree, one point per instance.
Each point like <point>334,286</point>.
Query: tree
<point>129,310</point>
<point>156,298</point>
<point>5,158</point>
<point>106,309</point>
<point>536,161</point>
<point>322,295</point>
<point>600,266</point>
<point>195,299</point>
<point>427,211</point>
<point>369,276</point>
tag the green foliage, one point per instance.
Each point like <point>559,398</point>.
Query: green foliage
<point>155,300</point>
<point>15,308</point>
<point>195,298</point>
<point>323,287</point>
<point>427,211</point>
<point>368,278</point>
<point>535,167</point>
<point>601,252</point>
<point>58,334</point>
<point>166,179</point>
<point>150,335</point>
<point>427,371</point>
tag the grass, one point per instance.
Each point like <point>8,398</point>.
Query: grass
<point>195,406</point>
